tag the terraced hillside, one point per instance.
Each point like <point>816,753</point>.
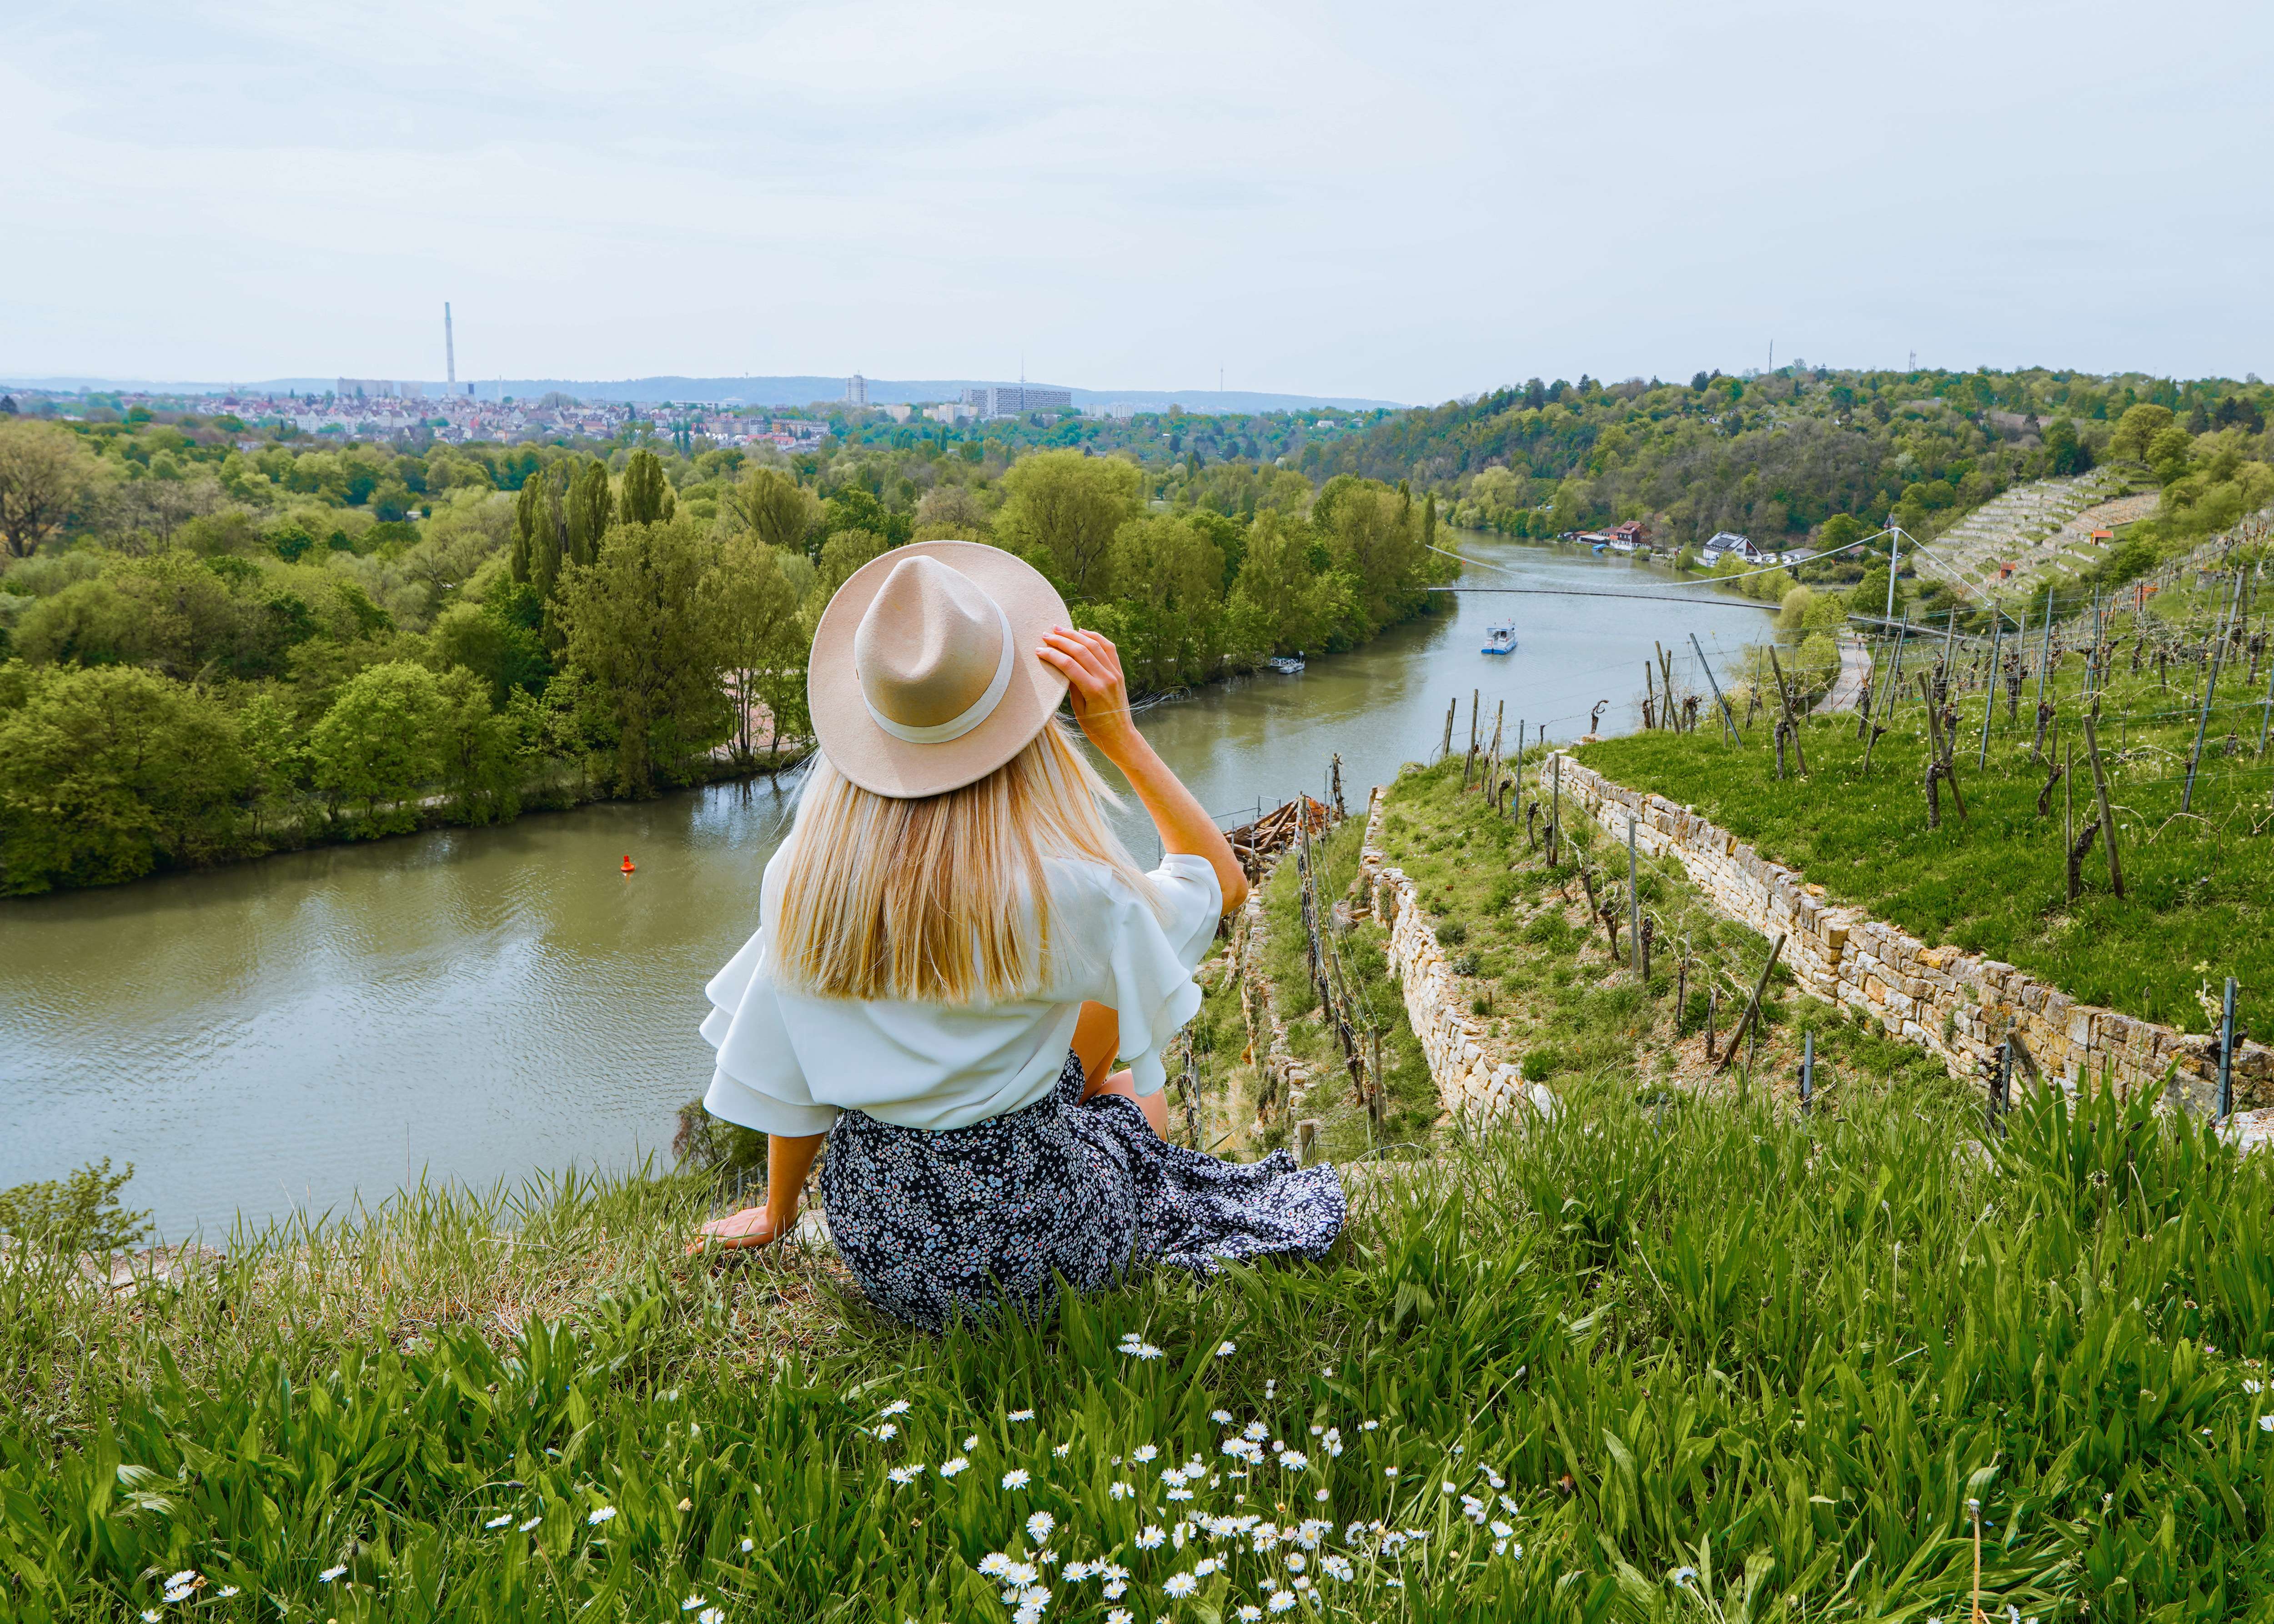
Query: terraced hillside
<point>2041,528</point>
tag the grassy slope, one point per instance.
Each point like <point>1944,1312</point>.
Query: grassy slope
<point>1780,1353</point>
<point>1412,1109</point>
<point>1538,968</point>
<point>2198,887</point>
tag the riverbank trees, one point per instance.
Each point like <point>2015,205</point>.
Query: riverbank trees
<point>598,630</point>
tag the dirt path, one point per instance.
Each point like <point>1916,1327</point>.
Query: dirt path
<point>1855,674</point>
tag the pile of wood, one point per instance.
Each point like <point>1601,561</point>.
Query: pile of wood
<point>1255,844</point>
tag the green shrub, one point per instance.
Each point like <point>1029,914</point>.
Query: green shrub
<point>77,1214</point>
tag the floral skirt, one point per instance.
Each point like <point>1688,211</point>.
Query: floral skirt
<point>974,1219</point>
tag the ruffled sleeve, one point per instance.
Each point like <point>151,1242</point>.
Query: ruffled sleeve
<point>1147,960</point>
<point>758,1083</point>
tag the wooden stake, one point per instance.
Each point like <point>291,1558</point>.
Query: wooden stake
<point>2107,816</point>
<point>1784,697</point>
<point>1753,1004</point>
<point>1728,721</point>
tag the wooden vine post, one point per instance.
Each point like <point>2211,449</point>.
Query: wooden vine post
<point>1784,699</point>
<point>1728,721</point>
<point>1752,1007</point>
<point>2107,815</point>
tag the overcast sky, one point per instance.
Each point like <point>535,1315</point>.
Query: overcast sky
<point>1397,200</point>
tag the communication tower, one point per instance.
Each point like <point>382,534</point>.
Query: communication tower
<point>449,349</point>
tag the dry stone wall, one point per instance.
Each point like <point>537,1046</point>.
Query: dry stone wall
<point>1474,1084</point>
<point>1959,1006</point>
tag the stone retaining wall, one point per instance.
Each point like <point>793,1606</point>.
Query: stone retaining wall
<point>1958,1005</point>
<point>1472,1083</point>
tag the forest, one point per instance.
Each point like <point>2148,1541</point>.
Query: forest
<point>220,642</point>
<point>1780,457</point>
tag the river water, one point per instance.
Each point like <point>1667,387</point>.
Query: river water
<point>311,1030</point>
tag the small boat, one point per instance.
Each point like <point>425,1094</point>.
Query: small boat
<point>1500,640</point>
<point>1285,664</point>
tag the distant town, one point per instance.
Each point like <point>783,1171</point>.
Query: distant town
<point>410,414</point>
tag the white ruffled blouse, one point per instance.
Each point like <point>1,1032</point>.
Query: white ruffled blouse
<point>789,1061</point>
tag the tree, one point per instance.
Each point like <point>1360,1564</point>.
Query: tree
<point>45,475</point>
<point>376,745</point>
<point>840,555</point>
<point>2137,429</point>
<point>107,773</point>
<point>951,513</point>
<point>648,498</point>
<point>591,506</point>
<point>1063,511</point>
<point>1167,616</point>
<point>774,507</point>
<point>2168,451</point>
<point>763,640</point>
<point>2064,454</point>
<point>480,639</point>
<point>633,623</point>
<point>477,750</point>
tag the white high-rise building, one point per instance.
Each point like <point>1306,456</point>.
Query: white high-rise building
<point>856,390</point>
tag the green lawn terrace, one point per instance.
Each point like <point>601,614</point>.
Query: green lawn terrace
<point>2197,866</point>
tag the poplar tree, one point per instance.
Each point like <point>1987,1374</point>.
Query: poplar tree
<point>591,506</point>
<point>648,498</point>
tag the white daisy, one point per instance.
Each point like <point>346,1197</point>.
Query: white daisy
<point>971,1443</point>
<point>498,1522</point>
<point>712,1615</point>
<point>1180,1584</point>
<point>994,1564</point>
<point>1120,1615</point>
<point>225,1593</point>
<point>1143,1452</point>
<point>692,1603</point>
<point>1336,1566</point>
<point>533,1522</point>
<point>601,1513</point>
<point>1249,1613</point>
<point>1020,1415</point>
<point>898,1407</point>
<point>1039,1526</point>
<point>1224,1350</point>
<point>887,1431</point>
<point>1295,1460</point>
<point>1222,1417</point>
<point>949,1468</point>
<point>1016,1477</point>
<point>1280,1601</point>
<point>905,1475</point>
<point>330,1573</point>
<point>1150,1536</point>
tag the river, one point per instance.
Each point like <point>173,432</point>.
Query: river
<point>310,1030</point>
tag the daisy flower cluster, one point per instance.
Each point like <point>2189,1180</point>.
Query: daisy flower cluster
<point>1186,1545</point>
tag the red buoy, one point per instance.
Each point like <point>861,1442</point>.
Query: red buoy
<point>628,863</point>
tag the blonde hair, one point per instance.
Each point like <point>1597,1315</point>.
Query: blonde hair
<point>939,899</point>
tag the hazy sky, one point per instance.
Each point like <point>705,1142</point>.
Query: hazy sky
<point>1399,201</point>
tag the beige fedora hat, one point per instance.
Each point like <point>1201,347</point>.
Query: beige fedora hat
<point>923,676</point>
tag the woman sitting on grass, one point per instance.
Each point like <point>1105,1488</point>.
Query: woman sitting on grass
<point>953,946</point>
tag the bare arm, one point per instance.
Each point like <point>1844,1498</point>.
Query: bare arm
<point>1101,704</point>
<point>789,1160</point>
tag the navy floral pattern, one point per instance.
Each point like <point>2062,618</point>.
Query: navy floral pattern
<point>975,1219</point>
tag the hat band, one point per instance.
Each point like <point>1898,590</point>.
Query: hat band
<point>956,726</point>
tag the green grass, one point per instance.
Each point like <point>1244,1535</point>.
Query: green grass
<point>1412,1107</point>
<point>1778,1353</point>
<point>1539,969</point>
<point>2198,886</point>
